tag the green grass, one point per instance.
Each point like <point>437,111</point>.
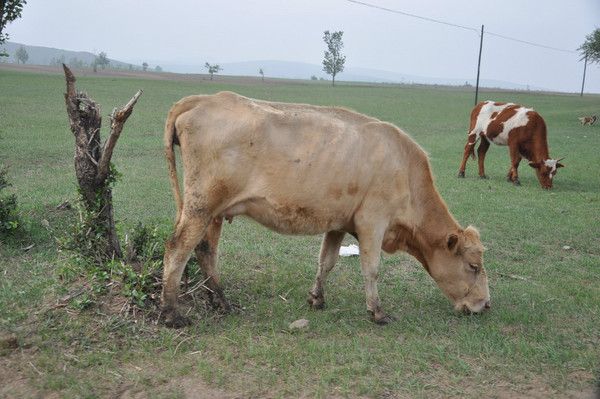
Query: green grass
<point>542,333</point>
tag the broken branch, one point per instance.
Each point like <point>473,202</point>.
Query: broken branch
<point>118,119</point>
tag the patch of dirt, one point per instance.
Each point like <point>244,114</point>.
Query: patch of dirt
<point>189,387</point>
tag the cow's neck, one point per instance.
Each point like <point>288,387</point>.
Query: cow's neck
<point>429,228</point>
<point>537,149</point>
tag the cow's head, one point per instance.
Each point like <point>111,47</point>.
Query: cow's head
<point>458,270</point>
<point>546,170</point>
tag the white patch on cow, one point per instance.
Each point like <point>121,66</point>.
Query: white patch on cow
<point>551,163</point>
<point>517,120</point>
<point>485,117</point>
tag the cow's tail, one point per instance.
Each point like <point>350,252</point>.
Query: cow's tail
<point>170,140</point>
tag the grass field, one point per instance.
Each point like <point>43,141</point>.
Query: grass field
<point>541,338</point>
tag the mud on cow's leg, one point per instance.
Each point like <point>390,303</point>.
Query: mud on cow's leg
<point>330,248</point>
<point>207,253</point>
<point>370,239</point>
<point>188,232</point>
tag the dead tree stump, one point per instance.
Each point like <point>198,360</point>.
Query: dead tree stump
<point>92,159</point>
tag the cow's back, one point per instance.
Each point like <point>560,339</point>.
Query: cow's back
<point>320,163</point>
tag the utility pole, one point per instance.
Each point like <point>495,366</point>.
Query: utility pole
<point>479,65</point>
<point>583,82</point>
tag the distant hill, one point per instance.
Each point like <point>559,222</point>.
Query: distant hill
<point>273,69</point>
<point>51,56</point>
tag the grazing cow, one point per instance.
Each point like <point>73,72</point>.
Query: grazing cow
<point>303,169</point>
<point>522,129</point>
<point>588,120</point>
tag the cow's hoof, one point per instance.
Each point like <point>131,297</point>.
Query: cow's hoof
<point>483,177</point>
<point>517,182</point>
<point>315,301</point>
<point>461,174</point>
<point>219,303</point>
<point>381,318</point>
<point>175,320</point>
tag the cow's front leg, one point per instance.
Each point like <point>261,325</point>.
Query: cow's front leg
<point>188,232</point>
<point>515,158</point>
<point>370,239</point>
<point>330,248</point>
<point>207,253</point>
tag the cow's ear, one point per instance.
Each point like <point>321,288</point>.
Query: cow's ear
<point>452,241</point>
<point>535,165</point>
<point>560,165</point>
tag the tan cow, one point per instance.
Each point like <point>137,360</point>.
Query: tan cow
<point>303,169</point>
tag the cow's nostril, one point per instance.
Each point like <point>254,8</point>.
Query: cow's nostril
<point>487,305</point>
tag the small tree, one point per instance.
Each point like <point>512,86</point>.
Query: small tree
<point>212,69</point>
<point>158,68</point>
<point>262,74</point>
<point>590,52</point>
<point>145,66</point>
<point>101,60</point>
<point>9,11</point>
<point>21,55</point>
<point>333,63</point>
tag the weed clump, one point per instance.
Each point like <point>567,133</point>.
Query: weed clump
<point>137,277</point>
<point>9,215</point>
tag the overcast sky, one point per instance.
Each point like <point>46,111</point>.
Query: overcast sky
<point>221,31</point>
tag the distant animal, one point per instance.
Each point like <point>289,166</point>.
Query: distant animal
<point>303,169</point>
<point>588,120</point>
<point>524,132</point>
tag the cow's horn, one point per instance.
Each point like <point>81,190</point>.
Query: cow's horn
<point>558,160</point>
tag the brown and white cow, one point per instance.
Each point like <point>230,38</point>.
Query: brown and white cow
<point>524,132</point>
<point>303,169</point>
<point>588,120</point>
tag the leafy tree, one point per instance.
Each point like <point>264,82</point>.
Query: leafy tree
<point>333,63</point>
<point>145,66</point>
<point>9,11</point>
<point>158,68</point>
<point>262,74</point>
<point>21,55</point>
<point>101,60</point>
<point>591,47</point>
<point>212,69</point>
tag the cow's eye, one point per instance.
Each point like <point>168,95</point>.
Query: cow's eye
<point>474,267</point>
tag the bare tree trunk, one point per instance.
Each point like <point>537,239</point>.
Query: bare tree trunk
<point>92,159</point>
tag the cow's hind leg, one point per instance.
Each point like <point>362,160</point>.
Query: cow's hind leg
<point>330,249</point>
<point>471,140</point>
<point>207,253</point>
<point>515,158</point>
<point>188,232</point>
<point>481,151</point>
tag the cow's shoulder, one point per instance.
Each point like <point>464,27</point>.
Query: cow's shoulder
<point>395,140</point>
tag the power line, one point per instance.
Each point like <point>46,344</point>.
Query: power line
<point>437,21</point>
<point>530,43</point>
